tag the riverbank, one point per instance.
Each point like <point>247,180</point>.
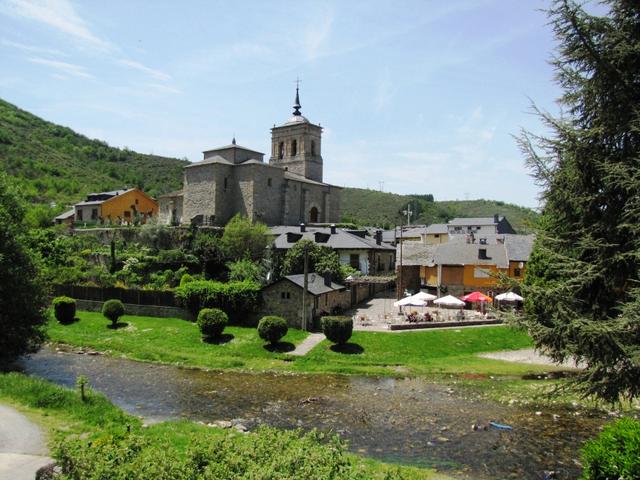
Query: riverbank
<point>82,431</point>
<point>178,342</point>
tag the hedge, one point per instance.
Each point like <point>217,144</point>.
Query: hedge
<point>211,322</point>
<point>64,309</point>
<point>615,453</point>
<point>238,299</point>
<point>272,328</point>
<point>337,329</point>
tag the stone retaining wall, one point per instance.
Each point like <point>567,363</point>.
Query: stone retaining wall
<point>411,326</point>
<point>142,310</point>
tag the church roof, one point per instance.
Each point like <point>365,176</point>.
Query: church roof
<point>232,145</point>
<point>207,161</point>
<point>301,178</point>
<point>341,240</point>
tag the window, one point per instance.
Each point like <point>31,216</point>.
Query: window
<point>457,229</point>
<point>226,182</point>
<point>80,215</point>
<point>354,260</point>
<point>281,150</point>
<point>136,201</point>
<point>483,241</point>
<point>127,214</point>
<point>285,295</point>
<point>480,273</point>
<point>482,254</point>
<point>94,214</point>
<point>313,147</point>
<point>294,148</point>
<point>268,182</point>
<point>517,272</point>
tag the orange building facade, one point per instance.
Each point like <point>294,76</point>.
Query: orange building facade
<point>128,206</point>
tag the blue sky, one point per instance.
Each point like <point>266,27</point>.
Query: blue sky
<point>424,95</point>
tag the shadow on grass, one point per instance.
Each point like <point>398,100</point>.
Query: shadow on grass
<point>347,349</point>
<point>219,340</point>
<point>280,347</point>
<point>118,325</point>
<point>75,319</point>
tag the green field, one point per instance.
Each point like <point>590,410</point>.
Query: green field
<point>175,341</point>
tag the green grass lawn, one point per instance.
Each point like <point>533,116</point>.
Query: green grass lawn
<point>445,351</point>
<point>171,340</point>
<point>176,341</point>
<point>78,427</point>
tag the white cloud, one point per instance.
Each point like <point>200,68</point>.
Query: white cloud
<point>157,74</point>
<point>63,67</point>
<point>385,91</point>
<point>161,88</point>
<point>58,14</point>
<point>316,34</point>
<point>31,48</point>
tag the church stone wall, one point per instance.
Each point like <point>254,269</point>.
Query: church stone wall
<point>199,191</point>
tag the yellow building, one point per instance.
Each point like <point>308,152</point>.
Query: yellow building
<point>465,264</point>
<point>117,207</point>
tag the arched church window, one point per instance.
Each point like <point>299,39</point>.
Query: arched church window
<point>226,183</point>
<point>294,148</point>
<point>313,147</point>
<point>281,150</point>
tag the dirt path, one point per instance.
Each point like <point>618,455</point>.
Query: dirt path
<point>527,355</point>
<point>307,344</point>
<point>22,446</point>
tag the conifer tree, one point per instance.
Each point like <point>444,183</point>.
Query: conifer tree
<point>581,288</point>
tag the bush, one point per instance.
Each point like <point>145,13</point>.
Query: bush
<point>64,309</point>
<point>272,328</point>
<point>238,299</point>
<point>211,322</point>
<point>615,453</point>
<point>113,310</point>
<point>337,329</point>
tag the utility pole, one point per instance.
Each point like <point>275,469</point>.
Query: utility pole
<point>400,290</point>
<point>408,213</point>
<point>304,289</point>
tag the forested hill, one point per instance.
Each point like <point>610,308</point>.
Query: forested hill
<point>372,207</point>
<point>55,164</point>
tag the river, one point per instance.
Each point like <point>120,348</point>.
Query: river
<point>409,420</point>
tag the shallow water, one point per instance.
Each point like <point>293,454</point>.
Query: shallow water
<point>409,421</point>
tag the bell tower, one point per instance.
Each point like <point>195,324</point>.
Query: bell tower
<point>296,145</point>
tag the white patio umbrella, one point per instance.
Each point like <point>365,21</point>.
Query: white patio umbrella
<point>427,297</point>
<point>449,301</point>
<point>509,297</point>
<point>410,301</point>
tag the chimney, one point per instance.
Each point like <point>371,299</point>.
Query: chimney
<point>303,227</point>
<point>379,237</point>
<point>496,218</point>
<point>327,279</point>
<point>333,229</point>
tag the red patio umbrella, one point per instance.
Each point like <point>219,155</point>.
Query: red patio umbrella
<point>476,297</point>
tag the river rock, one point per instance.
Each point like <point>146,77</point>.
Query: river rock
<point>240,428</point>
<point>221,424</point>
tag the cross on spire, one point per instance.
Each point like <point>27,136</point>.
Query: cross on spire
<point>296,104</point>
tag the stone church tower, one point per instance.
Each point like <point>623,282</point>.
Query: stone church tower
<point>296,145</point>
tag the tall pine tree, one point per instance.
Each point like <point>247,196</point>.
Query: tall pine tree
<point>582,291</point>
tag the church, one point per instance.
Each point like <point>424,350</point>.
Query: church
<point>229,180</point>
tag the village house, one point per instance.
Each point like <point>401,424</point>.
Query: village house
<point>464,264</point>
<point>233,179</point>
<point>284,298</point>
<point>369,256</point>
<point>437,233</point>
<point>126,206</point>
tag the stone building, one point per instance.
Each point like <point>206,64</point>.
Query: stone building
<point>284,298</point>
<point>286,191</point>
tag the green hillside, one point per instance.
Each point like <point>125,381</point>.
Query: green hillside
<point>372,207</point>
<point>54,164</point>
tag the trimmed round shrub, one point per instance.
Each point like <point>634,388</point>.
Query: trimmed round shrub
<point>615,453</point>
<point>211,322</point>
<point>113,310</point>
<point>337,329</point>
<point>272,328</point>
<point>64,309</point>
